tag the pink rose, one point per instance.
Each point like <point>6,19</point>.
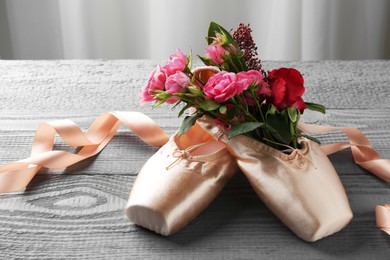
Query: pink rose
<point>218,40</point>
<point>177,82</point>
<point>254,77</point>
<point>216,52</point>
<point>233,49</point>
<point>172,100</point>
<point>177,62</point>
<point>222,86</point>
<point>156,81</point>
<point>250,77</point>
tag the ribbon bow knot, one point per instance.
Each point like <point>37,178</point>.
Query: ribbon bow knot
<point>182,154</point>
<point>300,157</point>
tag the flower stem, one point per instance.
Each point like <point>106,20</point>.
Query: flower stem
<point>292,133</point>
<point>230,61</point>
<point>258,104</point>
<point>216,115</point>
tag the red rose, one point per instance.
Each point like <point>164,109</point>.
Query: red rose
<point>287,88</point>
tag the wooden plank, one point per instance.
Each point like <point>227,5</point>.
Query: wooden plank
<point>126,153</point>
<point>81,216</point>
<point>98,86</point>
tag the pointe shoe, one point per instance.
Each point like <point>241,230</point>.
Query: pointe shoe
<point>179,181</point>
<point>302,188</point>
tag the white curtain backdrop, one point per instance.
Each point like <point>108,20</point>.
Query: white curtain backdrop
<point>153,29</point>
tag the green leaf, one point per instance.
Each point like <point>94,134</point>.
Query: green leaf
<point>209,105</point>
<point>225,66</point>
<point>158,91</point>
<point>228,41</point>
<point>222,109</point>
<point>195,91</point>
<point>292,114</point>
<point>207,61</point>
<point>279,121</point>
<point>188,122</point>
<point>176,104</point>
<point>163,95</point>
<point>158,103</point>
<point>271,111</point>
<point>233,111</point>
<point>184,109</point>
<point>270,129</point>
<point>215,29</point>
<point>243,128</point>
<point>315,107</point>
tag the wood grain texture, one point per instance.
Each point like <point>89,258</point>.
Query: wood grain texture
<point>78,213</point>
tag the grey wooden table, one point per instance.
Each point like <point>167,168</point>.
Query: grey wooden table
<point>78,213</point>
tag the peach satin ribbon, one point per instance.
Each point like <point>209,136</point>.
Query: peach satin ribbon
<point>16,176</point>
<point>363,155</point>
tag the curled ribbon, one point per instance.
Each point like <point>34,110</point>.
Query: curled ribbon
<point>15,176</point>
<point>364,155</point>
<point>383,217</point>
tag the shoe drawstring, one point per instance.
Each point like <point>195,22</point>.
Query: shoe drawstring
<point>182,154</point>
<point>299,154</point>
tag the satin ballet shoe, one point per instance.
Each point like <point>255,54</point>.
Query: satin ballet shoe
<point>301,188</point>
<point>179,181</point>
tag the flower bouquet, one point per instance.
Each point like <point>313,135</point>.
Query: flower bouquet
<point>237,93</point>
<point>240,116</point>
